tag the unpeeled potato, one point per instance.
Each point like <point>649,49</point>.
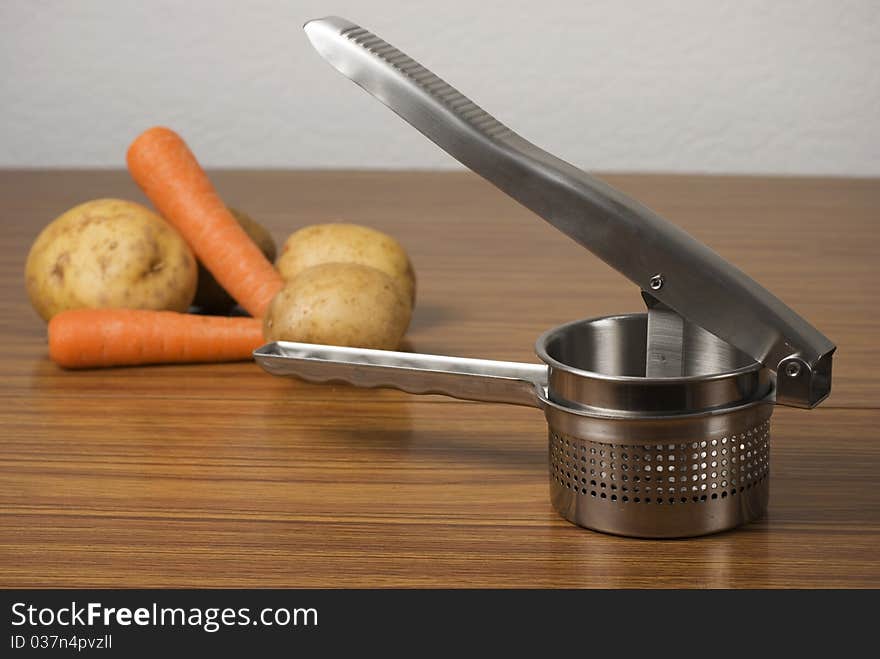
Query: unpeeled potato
<point>109,253</point>
<point>343,304</point>
<point>347,243</point>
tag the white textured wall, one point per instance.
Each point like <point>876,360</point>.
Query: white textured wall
<point>763,86</point>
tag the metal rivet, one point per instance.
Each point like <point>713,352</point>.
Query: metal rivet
<point>657,282</point>
<point>792,369</point>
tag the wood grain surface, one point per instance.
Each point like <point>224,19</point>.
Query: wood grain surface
<point>221,475</point>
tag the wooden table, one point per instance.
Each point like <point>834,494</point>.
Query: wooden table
<point>221,475</point>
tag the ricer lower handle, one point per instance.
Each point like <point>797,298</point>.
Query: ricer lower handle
<point>469,379</point>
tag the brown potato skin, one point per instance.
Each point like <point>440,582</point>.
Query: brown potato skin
<point>211,297</point>
<point>339,242</point>
<point>343,304</point>
<point>109,253</point>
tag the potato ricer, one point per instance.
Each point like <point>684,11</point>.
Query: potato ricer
<point>659,422</point>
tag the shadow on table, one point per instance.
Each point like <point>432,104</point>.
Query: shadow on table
<point>408,447</point>
<point>429,316</point>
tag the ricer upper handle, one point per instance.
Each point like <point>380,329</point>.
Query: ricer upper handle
<point>656,255</point>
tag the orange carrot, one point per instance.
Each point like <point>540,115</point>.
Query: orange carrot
<point>167,171</point>
<point>87,338</point>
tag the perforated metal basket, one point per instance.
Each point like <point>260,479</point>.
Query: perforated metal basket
<point>659,422</point>
<point>654,456</point>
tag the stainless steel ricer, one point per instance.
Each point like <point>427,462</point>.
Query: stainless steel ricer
<point>659,422</point>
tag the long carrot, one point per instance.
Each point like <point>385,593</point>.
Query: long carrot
<point>88,338</point>
<point>167,171</point>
